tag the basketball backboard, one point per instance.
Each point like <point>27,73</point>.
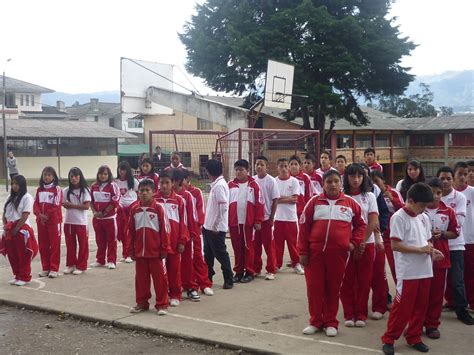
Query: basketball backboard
<point>279,85</point>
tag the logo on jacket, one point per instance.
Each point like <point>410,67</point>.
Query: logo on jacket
<point>343,209</point>
<point>444,218</point>
<point>152,216</point>
<point>123,191</point>
<point>452,204</point>
<point>50,197</point>
<point>173,206</point>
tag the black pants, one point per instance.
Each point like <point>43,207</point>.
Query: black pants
<point>456,276</point>
<point>214,247</point>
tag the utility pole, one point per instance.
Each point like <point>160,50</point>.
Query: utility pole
<point>5,153</point>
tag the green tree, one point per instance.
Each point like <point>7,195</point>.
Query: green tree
<point>446,111</point>
<point>341,50</point>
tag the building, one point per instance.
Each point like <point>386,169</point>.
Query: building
<point>106,113</point>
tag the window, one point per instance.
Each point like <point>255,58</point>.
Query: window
<point>186,158</point>
<point>363,140</point>
<point>21,100</point>
<point>382,140</point>
<point>431,168</point>
<point>111,122</point>
<point>32,147</point>
<point>204,124</point>
<point>96,118</point>
<point>32,100</point>
<point>427,140</point>
<point>344,141</point>
<point>462,139</point>
<point>400,140</point>
<point>135,123</point>
<point>27,100</point>
<point>88,146</point>
<point>10,101</point>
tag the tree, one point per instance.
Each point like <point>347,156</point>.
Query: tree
<point>340,49</point>
<point>446,111</point>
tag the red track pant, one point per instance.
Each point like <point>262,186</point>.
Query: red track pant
<point>379,284</point>
<point>49,240</point>
<point>106,239</point>
<point>324,274</point>
<point>355,288</point>
<point>285,231</point>
<point>242,243</point>
<point>200,271</point>
<point>409,307</point>
<point>173,272</point>
<point>123,214</point>
<point>265,237</point>
<point>391,261</point>
<point>21,249</point>
<point>435,305</point>
<point>187,280</point>
<point>144,269</point>
<point>469,274</point>
<point>76,234</point>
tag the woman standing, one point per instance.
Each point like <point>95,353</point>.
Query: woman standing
<point>11,163</point>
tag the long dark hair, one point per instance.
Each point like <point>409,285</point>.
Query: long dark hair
<point>353,169</point>
<point>83,187</point>
<point>124,165</point>
<point>147,161</point>
<point>103,168</point>
<point>15,197</point>
<point>408,181</point>
<point>49,169</point>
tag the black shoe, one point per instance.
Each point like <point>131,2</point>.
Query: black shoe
<point>421,347</point>
<point>465,317</point>
<point>433,333</point>
<point>228,284</point>
<point>238,277</point>
<point>388,349</point>
<point>247,278</point>
<point>193,295</point>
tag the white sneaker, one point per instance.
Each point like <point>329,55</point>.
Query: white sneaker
<point>269,276</point>
<point>68,270</point>
<point>111,266</point>
<point>162,312</point>
<point>377,315</point>
<point>122,260</point>
<point>77,272</point>
<point>349,323</point>
<point>299,269</point>
<point>310,329</point>
<point>331,331</point>
<point>12,282</point>
<point>96,264</point>
<point>360,324</point>
<point>208,291</point>
<point>128,260</point>
<point>53,274</point>
<point>174,302</point>
<point>43,273</point>
<point>21,283</point>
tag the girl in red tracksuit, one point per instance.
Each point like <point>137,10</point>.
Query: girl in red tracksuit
<point>48,212</point>
<point>304,182</point>
<point>105,200</point>
<point>18,240</point>
<point>128,187</point>
<point>149,245</point>
<point>147,171</point>
<point>331,225</point>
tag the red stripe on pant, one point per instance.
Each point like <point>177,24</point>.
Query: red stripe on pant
<point>436,297</point>
<point>355,288</point>
<point>379,284</point>
<point>76,234</point>
<point>389,255</point>
<point>49,241</point>
<point>324,274</point>
<point>265,237</point>
<point>187,280</point>
<point>106,239</point>
<point>242,243</point>
<point>409,307</point>
<point>123,213</point>
<point>469,274</point>
<point>285,231</point>
<point>21,249</point>
<point>145,270</point>
<point>173,272</point>
<point>200,271</point>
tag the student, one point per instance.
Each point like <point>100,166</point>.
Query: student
<point>47,209</point>
<point>410,230</point>
<point>309,165</point>
<point>286,218</point>
<point>246,207</point>
<point>455,290</point>
<point>175,162</point>
<point>128,187</point>
<point>175,211</point>
<point>76,201</point>
<point>330,226</point>
<point>355,287</point>
<point>325,161</point>
<point>369,158</point>
<point>149,246</point>
<point>18,236</point>
<point>216,224</point>
<point>147,171</point>
<point>304,181</point>
<point>105,197</point>
<point>341,163</point>
<point>414,173</point>
<point>470,170</point>
<point>444,226</point>
<point>264,236</point>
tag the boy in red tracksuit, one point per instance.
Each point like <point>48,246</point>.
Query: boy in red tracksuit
<point>246,208</point>
<point>304,182</point>
<point>48,212</point>
<point>309,165</point>
<point>175,210</point>
<point>330,226</point>
<point>150,244</point>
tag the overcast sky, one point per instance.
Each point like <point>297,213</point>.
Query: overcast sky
<point>75,46</point>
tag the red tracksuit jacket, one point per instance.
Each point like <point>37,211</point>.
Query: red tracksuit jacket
<point>255,204</point>
<point>48,201</point>
<point>198,204</point>
<point>189,206</point>
<point>305,191</point>
<point>104,194</point>
<point>149,231</point>
<point>326,227</point>
<point>316,183</point>
<point>153,176</point>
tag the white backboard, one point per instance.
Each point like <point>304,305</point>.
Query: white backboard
<point>279,85</point>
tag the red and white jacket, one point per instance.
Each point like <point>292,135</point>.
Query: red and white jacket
<point>316,183</point>
<point>175,211</point>
<point>153,176</point>
<point>329,225</point>
<point>198,204</point>
<point>393,206</point>
<point>189,206</point>
<point>149,230</point>
<point>103,195</point>
<point>255,208</point>
<point>376,166</point>
<point>305,192</point>
<point>48,201</point>
<point>320,171</point>
<point>180,166</point>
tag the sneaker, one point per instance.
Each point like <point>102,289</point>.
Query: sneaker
<point>68,270</point>
<point>377,315</point>
<point>110,266</point>
<point>331,331</point>
<point>208,291</point>
<point>465,317</point>
<point>238,277</point>
<point>360,323</point>
<point>128,260</point>
<point>310,329</point>
<point>174,302</point>
<point>269,276</point>
<point>53,274</point>
<point>138,309</point>
<point>77,272</point>
<point>299,269</point>
<point>421,347</point>
<point>21,283</point>
<point>247,278</point>
<point>388,349</point>
<point>162,312</point>
<point>289,264</point>
<point>12,282</point>
<point>43,273</point>
<point>433,333</point>
<point>193,296</point>
<point>97,264</point>
<point>228,284</point>
<point>122,260</point>
<point>349,323</point>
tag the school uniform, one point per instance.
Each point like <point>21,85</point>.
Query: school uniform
<point>48,201</point>
<point>321,171</point>
<point>376,166</point>
<point>414,274</point>
<point>152,176</point>
<point>304,192</point>
<point>171,166</point>
<point>104,195</point>
<point>127,197</point>
<point>327,227</point>
<point>316,183</point>
<point>149,238</point>
<point>76,229</point>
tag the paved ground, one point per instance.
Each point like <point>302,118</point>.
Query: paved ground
<point>262,316</point>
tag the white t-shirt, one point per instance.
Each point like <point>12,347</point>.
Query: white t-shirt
<point>73,215</point>
<point>413,231</point>
<point>398,187</point>
<point>269,189</point>
<point>26,205</point>
<point>286,211</point>
<point>127,196</point>
<point>368,204</point>
<point>321,172</point>
<point>457,202</point>
<point>468,226</point>
<point>217,206</point>
<point>242,202</point>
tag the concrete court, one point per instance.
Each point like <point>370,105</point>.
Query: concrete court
<point>265,316</point>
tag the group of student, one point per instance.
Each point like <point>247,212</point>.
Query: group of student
<point>340,225</point>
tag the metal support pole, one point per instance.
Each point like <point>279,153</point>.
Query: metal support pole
<point>5,154</point>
